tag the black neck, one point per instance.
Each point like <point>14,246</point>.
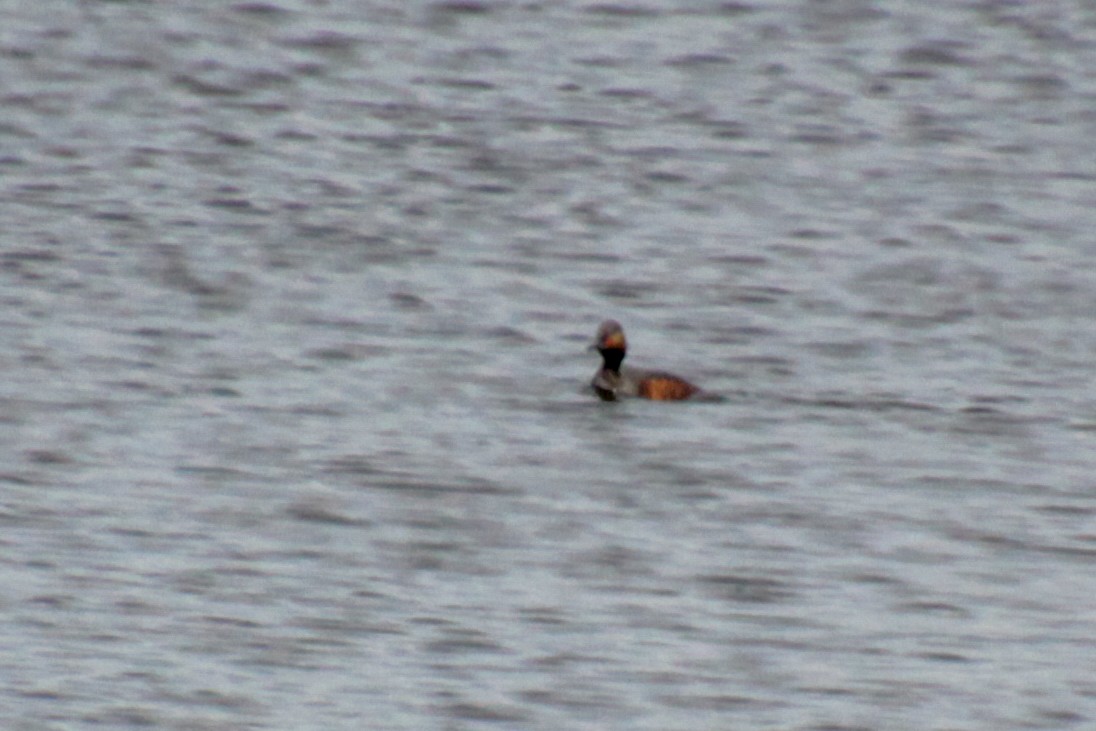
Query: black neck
<point>613,358</point>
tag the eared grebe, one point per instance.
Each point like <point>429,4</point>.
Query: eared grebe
<point>613,380</point>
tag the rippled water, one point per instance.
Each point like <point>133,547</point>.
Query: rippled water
<point>295,430</point>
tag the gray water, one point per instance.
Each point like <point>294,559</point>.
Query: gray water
<point>294,424</point>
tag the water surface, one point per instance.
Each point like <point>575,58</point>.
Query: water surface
<point>295,430</point>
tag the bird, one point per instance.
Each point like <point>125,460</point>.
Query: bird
<point>613,380</point>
